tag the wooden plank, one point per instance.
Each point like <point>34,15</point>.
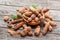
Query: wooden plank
<point>54,4</point>
<point>22,2</point>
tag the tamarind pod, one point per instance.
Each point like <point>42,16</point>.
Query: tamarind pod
<point>9,25</point>
<point>21,10</point>
<point>30,33</point>
<point>29,28</point>
<point>19,15</point>
<point>47,13</point>
<point>18,25</point>
<point>45,10</point>
<point>38,10</point>
<point>6,18</point>
<point>45,29</point>
<point>16,21</point>
<point>50,28</point>
<point>24,26</point>
<point>37,31</point>
<point>47,19</point>
<point>28,13</point>
<point>47,16</point>
<point>29,19</point>
<point>24,32</point>
<point>52,23</point>
<point>12,33</point>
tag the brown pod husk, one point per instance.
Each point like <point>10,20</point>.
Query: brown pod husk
<point>45,29</point>
<point>12,32</point>
<point>17,26</point>
<point>16,21</point>
<point>6,18</point>
<point>53,23</point>
<point>50,28</point>
<point>30,33</point>
<point>37,31</point>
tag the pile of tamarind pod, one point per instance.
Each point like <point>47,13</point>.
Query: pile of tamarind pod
<point>27,17</point>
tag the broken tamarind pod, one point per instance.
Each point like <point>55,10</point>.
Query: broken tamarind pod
<point>30,33</point>
<point>45,29</point>
<point>12,33</point>
<point>9,25</point>
<point>37,31</point>
<point>16,21</point>
<point>6,18</point>
<point>50,28</point>
<point>18,25</point>
<point>52,23</point>
<point>45,10</point>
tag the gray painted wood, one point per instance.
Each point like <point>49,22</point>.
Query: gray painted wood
<point>8,7</point>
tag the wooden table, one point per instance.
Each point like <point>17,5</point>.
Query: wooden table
<point>8,7</point>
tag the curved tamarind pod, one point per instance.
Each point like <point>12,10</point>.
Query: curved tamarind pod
<point>16,21</point>
<point>45,29</point>
<point>52,23</point>
<point>37,31</point>
<point>50,28</point>
<point>18,25</point>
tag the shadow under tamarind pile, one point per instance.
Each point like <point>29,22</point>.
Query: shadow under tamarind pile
<point>29,18</point>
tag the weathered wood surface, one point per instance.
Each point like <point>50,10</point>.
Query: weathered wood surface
<point>8,7</point>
